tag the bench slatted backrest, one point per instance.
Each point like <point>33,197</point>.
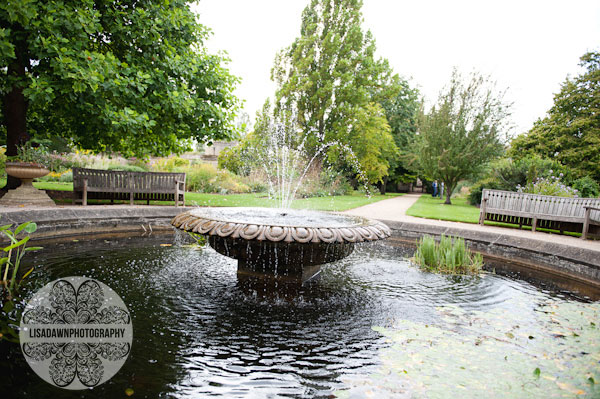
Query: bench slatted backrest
<point>540,204</point>
<point>124,181</point>
<point>108,180</point>
<point>155,182</point>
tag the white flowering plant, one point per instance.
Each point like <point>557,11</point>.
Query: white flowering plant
<point>551,185</point>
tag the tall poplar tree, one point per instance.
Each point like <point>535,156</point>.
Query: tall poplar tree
<point>331,79</point>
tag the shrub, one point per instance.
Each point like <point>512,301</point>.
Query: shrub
<point>477,189</point>
<point>201,178</point>
<point>508,174</point>
<point>323,183</point>
<point>549,186</point>
<point>587,187</point>
<point>2,160</point>
<point>142,164</point>
<point>235,160</point>
<point>66,177</point>
<point>206,178</point>
<point>450,256</point>
<point>230,183</point>
<point>170,164</point>
<point>128,168</point>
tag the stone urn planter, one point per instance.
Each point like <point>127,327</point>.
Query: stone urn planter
<point>26,194</point>
<point>26,171</point>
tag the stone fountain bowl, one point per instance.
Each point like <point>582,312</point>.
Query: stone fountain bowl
<point>282,241</point>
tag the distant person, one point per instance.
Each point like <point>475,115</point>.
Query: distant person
<point>442,190</point>
<point>434,185</point>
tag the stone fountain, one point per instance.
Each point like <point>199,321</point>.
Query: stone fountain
<point>281,243</point>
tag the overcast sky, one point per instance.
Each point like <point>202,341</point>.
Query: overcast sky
<point>528,47</point>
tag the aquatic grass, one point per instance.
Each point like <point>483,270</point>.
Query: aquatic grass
<point>10,263</point>
<point>450,256</point>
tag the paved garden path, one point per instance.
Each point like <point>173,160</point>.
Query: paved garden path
<point>394,209</point>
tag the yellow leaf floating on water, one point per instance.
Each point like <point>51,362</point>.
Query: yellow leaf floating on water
<point>166,245</point>
<point>129,392</point>
<point>570,388</point>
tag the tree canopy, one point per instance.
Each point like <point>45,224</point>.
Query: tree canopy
<point>121,76</point>
<point>331,79</point>
<point>570,133</point>
<point>461,132</point>
<point>401,112</point>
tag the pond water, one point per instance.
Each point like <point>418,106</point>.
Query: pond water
<point>370,325</point>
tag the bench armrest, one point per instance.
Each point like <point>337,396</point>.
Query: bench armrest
<point>593,208</point>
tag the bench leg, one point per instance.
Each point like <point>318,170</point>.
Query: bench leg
<point>482,211</point>
<point>586,223</point>
<point>130,198</point>
<point>534,224</point>
<point>84,199</point>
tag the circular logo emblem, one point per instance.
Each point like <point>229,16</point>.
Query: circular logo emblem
<point>76,333</point>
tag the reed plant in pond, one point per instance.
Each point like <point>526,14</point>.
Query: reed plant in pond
<point>450,256</point>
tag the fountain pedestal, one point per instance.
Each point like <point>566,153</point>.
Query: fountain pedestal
<point>282,244</point>
<point>283,260</point>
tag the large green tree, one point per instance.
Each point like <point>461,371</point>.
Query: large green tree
<point>329,76</point>
<point>121,76</point>
<point>401,112</point>
<point>461,132</point>
<point>570,133</point>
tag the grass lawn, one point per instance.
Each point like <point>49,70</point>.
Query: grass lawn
<point>433,208</point>
<point>335,203</point>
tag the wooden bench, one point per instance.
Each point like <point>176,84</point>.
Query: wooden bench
<point>123,185</point>
<point>541,211</point>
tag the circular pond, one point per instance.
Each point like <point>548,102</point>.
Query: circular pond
<point>372,324</point>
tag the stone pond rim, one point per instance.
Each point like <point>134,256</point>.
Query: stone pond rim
<point>280,241</point>
<point>558,261</point>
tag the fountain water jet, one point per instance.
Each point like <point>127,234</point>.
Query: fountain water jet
<point>283,243</point>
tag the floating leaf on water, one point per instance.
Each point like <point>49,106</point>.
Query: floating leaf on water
<point>537,372</point>
<point>129,392</point>
<point>166,245</point>
<point>569,388</point>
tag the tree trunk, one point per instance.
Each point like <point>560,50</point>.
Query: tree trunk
<point>448,192</point>
<point>448,189</point>
<point>383,186</point>
<point>14,109</point>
